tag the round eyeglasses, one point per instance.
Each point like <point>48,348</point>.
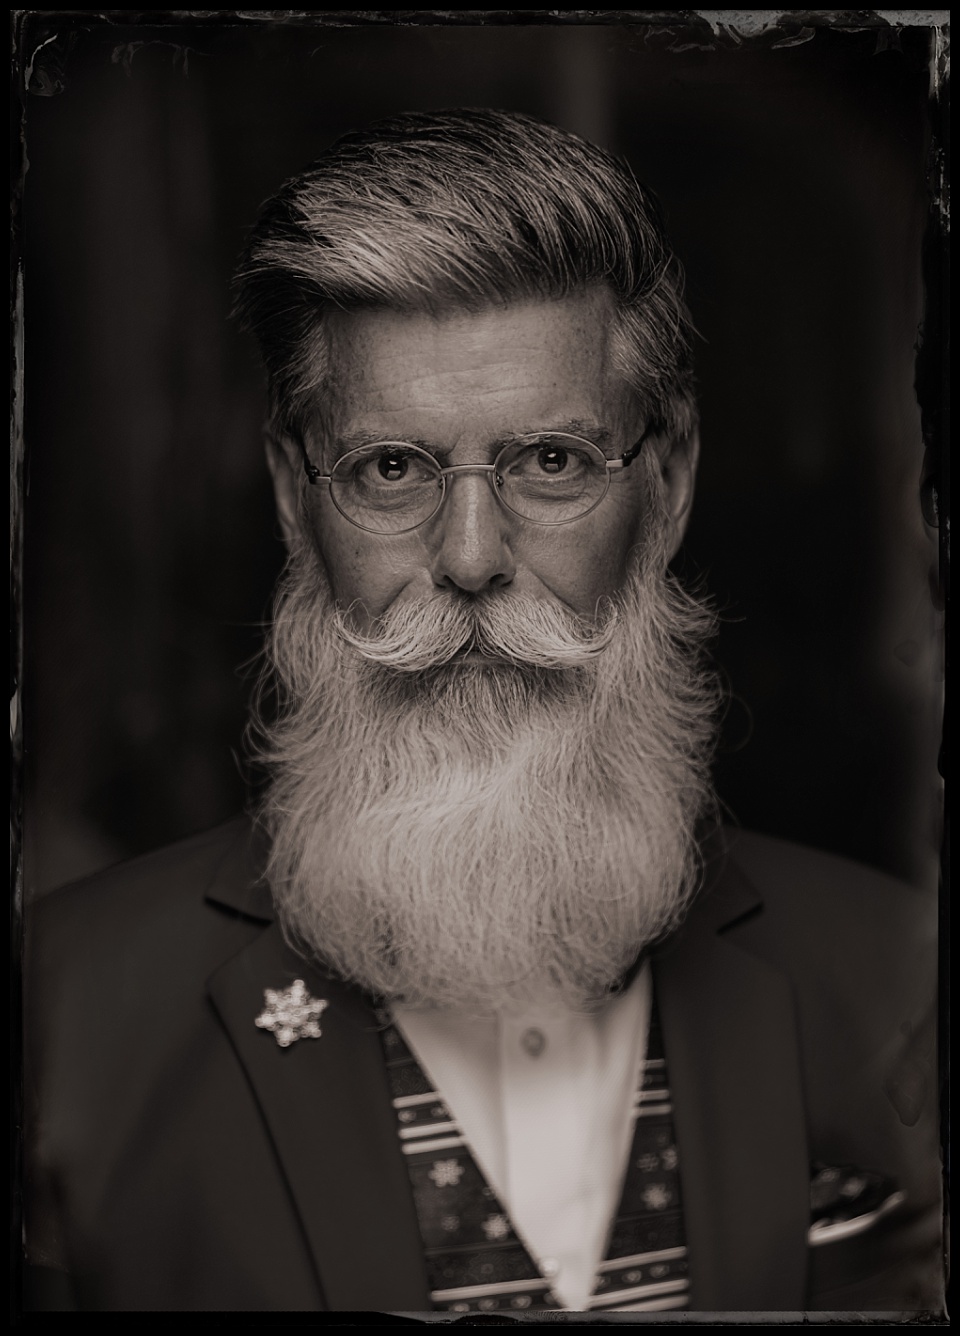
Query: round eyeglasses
<point>550,477</point>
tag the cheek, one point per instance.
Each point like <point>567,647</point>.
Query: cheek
<point>586,562</point>
<point>361,570</point>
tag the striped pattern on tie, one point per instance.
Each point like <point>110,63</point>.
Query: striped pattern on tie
<point>475,1260</point>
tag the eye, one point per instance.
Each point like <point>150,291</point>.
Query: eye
<point>384,469</point>
<point>552,458</point>
<point>549,462</point>
<point>393,466</point>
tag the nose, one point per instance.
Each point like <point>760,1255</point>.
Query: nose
<point>471,538</point>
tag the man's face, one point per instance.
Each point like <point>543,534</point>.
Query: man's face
<point>457,385</point>
<point>479,802</point>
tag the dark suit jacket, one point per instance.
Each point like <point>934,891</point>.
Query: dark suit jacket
<point>178,1159</point>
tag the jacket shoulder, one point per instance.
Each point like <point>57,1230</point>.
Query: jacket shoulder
<point>860,951</point>
<point>134,946</point>
<point>834,904</point>
<point>859,946</point>
<point>151,898</point>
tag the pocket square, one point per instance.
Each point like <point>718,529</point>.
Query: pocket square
<point>845,1201</point>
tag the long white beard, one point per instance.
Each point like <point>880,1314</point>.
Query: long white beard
<point>480,836</point>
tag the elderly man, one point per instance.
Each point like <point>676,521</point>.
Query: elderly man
<point>483,1010</point>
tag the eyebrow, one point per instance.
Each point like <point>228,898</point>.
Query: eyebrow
<point>356,439</point>
<point>590,431</point>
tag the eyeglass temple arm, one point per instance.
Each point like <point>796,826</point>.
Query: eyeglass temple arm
<point>313,473</point>
<point>628,456</point>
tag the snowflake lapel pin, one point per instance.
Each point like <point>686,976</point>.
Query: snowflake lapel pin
<point>291,1013</point>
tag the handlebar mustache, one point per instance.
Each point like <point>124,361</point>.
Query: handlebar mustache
<point>514,628</point>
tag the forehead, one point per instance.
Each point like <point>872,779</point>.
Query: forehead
<point>462,374</point>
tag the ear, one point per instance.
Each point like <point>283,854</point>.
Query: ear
<point>678,466</point>
<point>284,462</point>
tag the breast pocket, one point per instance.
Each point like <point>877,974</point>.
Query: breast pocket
<point>885,1258</point>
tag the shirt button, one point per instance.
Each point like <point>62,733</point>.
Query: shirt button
<point>549,1266</point>
<point>533,1042</point>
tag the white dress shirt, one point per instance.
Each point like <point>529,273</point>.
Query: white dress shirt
<point>544,1101</point>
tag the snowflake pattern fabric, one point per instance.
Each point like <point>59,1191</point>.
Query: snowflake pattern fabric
<point>496,1227</point>
<point>446,1173</point>
<point>475,1260</point>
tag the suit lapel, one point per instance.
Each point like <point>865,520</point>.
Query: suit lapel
<point>729,1033</point>
<point>327,1105</point>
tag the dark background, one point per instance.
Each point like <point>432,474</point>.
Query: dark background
<point>793,167</point>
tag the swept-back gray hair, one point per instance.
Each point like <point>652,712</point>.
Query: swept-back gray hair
<point>464,208</point>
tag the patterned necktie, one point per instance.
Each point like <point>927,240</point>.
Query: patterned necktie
<point>475,1260</point>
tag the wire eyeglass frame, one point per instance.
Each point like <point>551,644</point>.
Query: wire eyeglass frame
<point>493,472</point>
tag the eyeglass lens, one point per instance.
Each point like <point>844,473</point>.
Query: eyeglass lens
<point>390,487</point>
